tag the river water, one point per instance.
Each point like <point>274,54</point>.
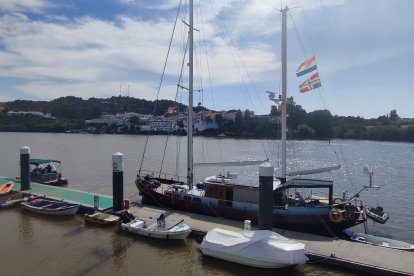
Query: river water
<point>39,245</point>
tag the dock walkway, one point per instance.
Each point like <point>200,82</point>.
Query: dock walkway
<point>62,193</point>
<point>348,254</point>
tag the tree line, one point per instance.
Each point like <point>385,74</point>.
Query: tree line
<point>71,112</point>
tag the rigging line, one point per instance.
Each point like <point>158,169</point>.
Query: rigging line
<point>176,96</point>
<point>247,73</point>
<point>307,26</point>
<point>264,149</point>
<point>347,168</point>
<point>208,71</point>
<point>297,34</point>
<point>321,91</point>
<point>161,80</point>
<point>206,57</point>
<point>229,43</point>
<point>180,77</point>
<point>198,57</point>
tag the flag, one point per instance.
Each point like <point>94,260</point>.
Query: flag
<point>311,83</point>
<point>307,66</point>
<point>171,111</point>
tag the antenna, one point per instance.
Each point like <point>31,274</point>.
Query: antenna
<point>368,171</point>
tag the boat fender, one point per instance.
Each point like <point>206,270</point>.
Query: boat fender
<point>126,204</point>
<point>335,215</point>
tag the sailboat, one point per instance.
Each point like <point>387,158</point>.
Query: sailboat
<point>227,196</point>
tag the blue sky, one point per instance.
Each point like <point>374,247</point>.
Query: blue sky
<point>89,48</point>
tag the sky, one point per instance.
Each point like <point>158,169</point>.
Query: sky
<point>88,48</point>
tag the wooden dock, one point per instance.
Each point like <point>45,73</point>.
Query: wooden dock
<point>343,253</point>
<point>347,254</point>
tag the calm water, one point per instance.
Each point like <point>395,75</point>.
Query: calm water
<point>39,245</point>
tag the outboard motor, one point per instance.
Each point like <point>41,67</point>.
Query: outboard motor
<point>377,214</point>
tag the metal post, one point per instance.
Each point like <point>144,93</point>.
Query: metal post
<point>190,165</point>
<point>266,196</point>
<point>284,91</point>
<point>95,202</point>
<point>25,168</point>
<point>117,180</point>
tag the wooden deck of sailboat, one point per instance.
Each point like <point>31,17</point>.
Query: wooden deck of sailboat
<point>348,254</point>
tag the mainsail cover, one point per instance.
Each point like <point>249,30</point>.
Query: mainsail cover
<point>313,171</point>
<point>230,164</point>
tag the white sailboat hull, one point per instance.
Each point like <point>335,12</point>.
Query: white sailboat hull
<point>380,241</point>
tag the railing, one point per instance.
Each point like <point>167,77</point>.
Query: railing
<point>173,177</point>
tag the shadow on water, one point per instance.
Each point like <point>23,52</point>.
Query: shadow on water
<point>210,263</point>
<point>25,229</point>
<point>120,243</point>
<point>117,253</point>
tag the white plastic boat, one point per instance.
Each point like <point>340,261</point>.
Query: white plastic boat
<point>379,241</point>
<point>149,227</point>
<point>262,248</point>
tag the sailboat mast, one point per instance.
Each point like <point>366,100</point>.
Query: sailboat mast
<point>284,90</point>
<point>190,166</point>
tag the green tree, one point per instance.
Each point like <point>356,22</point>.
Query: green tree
<point>134,124</point>
<point>238,122</point>
<point>322,122</point>
<point>219,120</point>
<point>394,116</point>
<point>274,111</point>
<point>408,134</point>
<point>305,132</point>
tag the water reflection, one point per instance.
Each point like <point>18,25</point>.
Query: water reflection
<point>119,251</point>
<point>25,229</point>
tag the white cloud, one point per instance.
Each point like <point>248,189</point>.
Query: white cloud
<point>155,5</point>
<point>92,50</point>
<point>101,89</point>
<point>24,5</point>
<point>87,56</point>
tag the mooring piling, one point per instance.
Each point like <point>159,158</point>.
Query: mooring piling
<point>117,180</point>
<point>266,196</point>
<point>25,168</point>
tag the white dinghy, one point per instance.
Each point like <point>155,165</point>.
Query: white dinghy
<point>157,228</point>
<point>379,241</point>
<point>262,248</point>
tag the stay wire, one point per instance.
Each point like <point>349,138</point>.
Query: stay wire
<point>160,84</point>
<point>233,51</point>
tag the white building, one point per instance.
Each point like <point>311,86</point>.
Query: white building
<point>203,125</point>
<point>35,113</point>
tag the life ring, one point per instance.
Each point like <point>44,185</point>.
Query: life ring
<point>337,200</point>
<point>336,215</point>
